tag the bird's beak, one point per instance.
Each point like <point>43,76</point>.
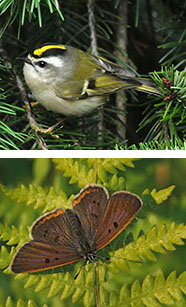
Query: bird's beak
<point>25,60</point>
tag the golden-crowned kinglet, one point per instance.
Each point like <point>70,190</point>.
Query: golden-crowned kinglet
<point>73,82</point>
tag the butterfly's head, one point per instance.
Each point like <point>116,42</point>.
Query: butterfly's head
<point>90,257</point>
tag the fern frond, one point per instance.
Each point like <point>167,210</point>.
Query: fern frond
<point>161,195</point>
<point>155,291</point>
<point>12,235</point>
<point>103,171</point>
<point>5,256</point>
<point>157,240</point>
<point>20,303</point>
<point>64,285</point>
<point>37,197</point>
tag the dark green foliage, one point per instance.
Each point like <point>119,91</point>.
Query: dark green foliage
<point>146,261</point>
<point>168,116</point>
<point>155,34</point>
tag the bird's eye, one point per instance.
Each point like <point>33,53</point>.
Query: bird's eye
<point>41,64</point>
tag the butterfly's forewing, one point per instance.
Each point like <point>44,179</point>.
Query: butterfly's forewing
<point>120,211</point>
<point>52,228</point>
<point>52,244</point>
<point>89,205</point>
<point>36,256</point>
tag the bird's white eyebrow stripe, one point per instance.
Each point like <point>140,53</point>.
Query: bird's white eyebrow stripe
<point>53,60</point>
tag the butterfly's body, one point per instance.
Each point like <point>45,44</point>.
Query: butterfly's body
<point>80,243</point>
<point>62,237</point>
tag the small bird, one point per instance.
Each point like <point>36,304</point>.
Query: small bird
<point>72,82</point>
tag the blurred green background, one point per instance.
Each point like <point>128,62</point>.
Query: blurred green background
<point>147,173</point>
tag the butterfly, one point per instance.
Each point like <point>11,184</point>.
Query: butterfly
<point>62,237</point>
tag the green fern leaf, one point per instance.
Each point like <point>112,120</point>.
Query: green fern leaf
<point>94,171</point>
<point>32,281</point>
<point>37,197</point>
<point>31,304</point>
<point>157,240</point>
<point>78,293</point>
<point>147,290</point>
<point>9,302</point>
<point>89,298</point>
<point>104,297</point>
<point>160,290</point>
<point>136,294</point>
<point>113,299</point>
<point>153,292</point>
<point>163,194</point>
<point>181,282</point>
<point>173,288</point>
<point>5,257</point>
<point>21,303</point>
<point>69,286</point>
<point>12,235</point>
<point>124,295</point>
<point>57,285</point>
<point>44,283</point>
<point>75,170</point>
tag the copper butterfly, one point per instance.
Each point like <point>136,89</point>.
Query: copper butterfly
<point>62,237</point>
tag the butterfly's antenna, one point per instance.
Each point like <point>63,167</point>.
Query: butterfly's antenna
<point>97,285</point>
<point>102,257</point>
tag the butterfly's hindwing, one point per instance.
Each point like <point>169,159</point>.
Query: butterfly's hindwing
<point>121,208</point>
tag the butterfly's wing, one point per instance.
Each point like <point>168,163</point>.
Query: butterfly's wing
<point>89,205</point>
<point>121,208</point>
<point>52,244</point>
<point>36,256</point>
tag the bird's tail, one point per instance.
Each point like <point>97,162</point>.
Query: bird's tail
<point>147,86</point>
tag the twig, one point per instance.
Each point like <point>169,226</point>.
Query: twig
<point>33,123</point>
<point>152,34</point>
<point>91,19</point>
<point>31,119</point>
<point>122,43</point>
<point>165,128</point>
<point>94,50</point>
<point>97,284</point>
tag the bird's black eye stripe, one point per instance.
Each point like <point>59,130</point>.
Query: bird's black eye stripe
<point>41,64</point>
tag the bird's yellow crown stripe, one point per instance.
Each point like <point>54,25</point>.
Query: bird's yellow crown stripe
<point>40,51</point>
